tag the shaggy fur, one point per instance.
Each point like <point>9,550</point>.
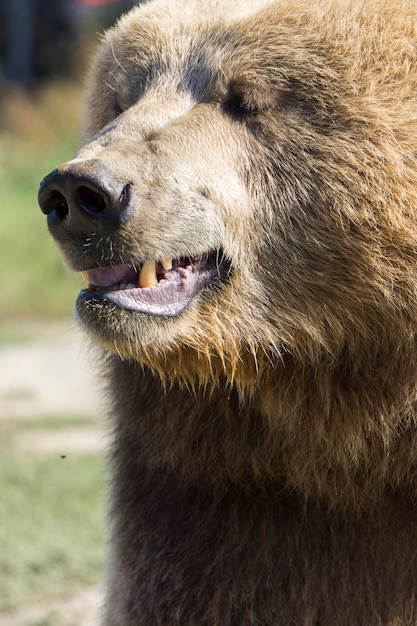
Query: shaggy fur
<point>264,459</point>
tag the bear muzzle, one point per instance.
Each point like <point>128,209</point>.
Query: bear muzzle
<point>82,199</point>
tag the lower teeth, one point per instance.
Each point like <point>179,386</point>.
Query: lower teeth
<point>125,286</point>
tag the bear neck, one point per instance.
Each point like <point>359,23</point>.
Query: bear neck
<point>330,439</point>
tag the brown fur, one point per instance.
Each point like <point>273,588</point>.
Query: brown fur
<point>264,460</point>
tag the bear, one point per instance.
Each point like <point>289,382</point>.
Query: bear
<point>243,211</point>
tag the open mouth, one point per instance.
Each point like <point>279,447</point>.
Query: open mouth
<point>165,287</point>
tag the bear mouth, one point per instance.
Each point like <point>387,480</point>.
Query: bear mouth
<point>161,288</point>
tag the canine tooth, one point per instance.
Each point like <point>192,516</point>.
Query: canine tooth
<point>166,263</point>
<point>147,275</point>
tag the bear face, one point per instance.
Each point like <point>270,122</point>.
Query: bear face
<point>254,174</point>
<point>243,211</point>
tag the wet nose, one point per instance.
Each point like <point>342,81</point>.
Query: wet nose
<point>72,196</point>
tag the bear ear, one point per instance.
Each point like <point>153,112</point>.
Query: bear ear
<point>248,97</point>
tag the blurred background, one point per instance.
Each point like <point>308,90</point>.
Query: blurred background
<point>52,424</point>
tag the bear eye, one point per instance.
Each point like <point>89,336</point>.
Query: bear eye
<point>117,106</point>
<point>119,102</point>
<point>235,104</point>
<point>246,99</point>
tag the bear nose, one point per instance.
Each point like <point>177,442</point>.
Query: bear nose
<point>74,195</point>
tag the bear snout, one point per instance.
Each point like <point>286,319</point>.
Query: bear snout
<point>77,195</point>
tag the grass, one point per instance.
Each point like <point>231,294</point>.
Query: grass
<point>52,512</point>
<point>11,429</point>
<point>37,134</point>
<point>53,423</point>
<point>51,532</point>
<point>12,332</point>
<point>51,508</point>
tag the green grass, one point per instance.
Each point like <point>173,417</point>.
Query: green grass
<point>11,429</point>
<point>51,508</point>
<point>51,529</point>
<point>52,515</point>
<point>54,423</point>
<point>37,136</point>
<point>12,333</point>
<point>31,273</point>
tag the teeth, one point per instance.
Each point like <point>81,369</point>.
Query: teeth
<point>126,286</point>
<point>166,263</point>
<point>147,275</point>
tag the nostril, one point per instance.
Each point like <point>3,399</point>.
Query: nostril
<point>56,203</point>
<point>90,200</point>
<point>124,198</point>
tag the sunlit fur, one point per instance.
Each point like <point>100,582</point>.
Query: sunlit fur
<point>265,455</point>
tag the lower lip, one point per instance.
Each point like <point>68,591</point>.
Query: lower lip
<point>144,301</point>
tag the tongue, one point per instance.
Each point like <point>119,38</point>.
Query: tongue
<point>107,276</point>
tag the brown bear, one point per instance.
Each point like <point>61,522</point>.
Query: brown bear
<point>244,212</point>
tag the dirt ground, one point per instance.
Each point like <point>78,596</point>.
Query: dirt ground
<point>81,609</point>
<point>52,374</point>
